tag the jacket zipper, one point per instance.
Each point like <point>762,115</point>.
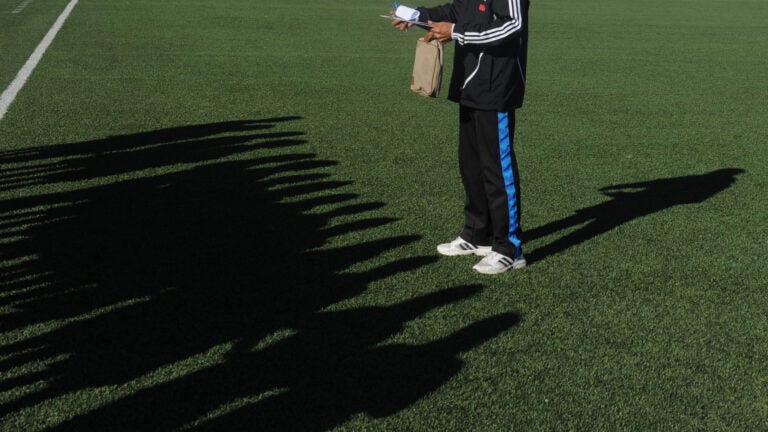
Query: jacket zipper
<point>474,72</point>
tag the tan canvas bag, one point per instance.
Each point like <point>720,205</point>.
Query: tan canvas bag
<point>427,67</point>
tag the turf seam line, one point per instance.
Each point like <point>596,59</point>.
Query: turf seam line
<point>21,78</point>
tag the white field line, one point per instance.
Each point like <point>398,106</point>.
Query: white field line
<point>21,78</point>
<point>22,6</point>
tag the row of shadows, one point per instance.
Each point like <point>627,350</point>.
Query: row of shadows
<point>178,279</point>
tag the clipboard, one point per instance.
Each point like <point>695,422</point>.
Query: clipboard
<point>421,24</point>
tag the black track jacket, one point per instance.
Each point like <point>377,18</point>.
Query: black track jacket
<point>491,52</point>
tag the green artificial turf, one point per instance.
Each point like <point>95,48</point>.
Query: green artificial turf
<point>222,216</point>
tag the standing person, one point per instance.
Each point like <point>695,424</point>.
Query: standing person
<point>488,83</point>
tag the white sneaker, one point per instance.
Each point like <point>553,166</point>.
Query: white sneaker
<point>462,247</point>
<point>495,263</point>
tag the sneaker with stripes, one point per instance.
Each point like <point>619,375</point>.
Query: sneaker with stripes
<point>495,263</point>
<point>462,247</point>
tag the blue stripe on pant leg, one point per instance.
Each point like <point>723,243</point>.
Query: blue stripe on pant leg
<point>505,150</point>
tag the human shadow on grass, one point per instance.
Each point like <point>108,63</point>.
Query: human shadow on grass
<point>185,278</point>
<point>628,202</point>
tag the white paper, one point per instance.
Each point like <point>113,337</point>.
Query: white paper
<point>407,14</point>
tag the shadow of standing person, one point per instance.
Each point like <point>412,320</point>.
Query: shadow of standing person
<point>628,202</point>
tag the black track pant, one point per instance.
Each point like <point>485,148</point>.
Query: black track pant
<point>491,181</point>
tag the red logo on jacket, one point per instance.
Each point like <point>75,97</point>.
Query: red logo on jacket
<point>481,7</point>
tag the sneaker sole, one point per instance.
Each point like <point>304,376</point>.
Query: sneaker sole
<point>517,265</point>
<point>478,252</point>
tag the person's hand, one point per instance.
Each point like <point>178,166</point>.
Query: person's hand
<point>441,30</point>
<point>400,24</point>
